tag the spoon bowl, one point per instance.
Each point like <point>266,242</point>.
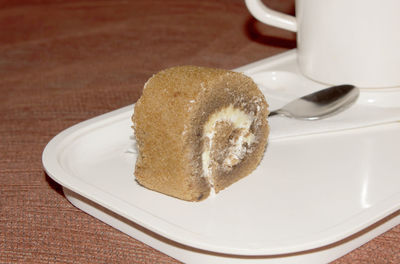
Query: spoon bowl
<point>320,104</point>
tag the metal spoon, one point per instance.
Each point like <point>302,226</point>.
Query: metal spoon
<point>320,104</point>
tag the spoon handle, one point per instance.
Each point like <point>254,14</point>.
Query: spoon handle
<point>279,111</point>
<point>273,113</point>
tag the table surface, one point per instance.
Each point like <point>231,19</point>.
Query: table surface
<point>62,62</point>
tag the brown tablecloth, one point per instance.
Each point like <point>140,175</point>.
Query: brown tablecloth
<point>62,62</point>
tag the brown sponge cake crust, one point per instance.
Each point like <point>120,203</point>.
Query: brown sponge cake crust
<point>168,122</point>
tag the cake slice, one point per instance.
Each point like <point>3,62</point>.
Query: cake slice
<point>198,130</point>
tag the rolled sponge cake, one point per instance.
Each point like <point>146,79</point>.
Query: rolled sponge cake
<point>198,130</point>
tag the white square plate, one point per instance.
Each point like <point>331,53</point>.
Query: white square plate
<point>313,198</point>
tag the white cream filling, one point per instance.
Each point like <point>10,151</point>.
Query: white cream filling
<point>240,120</point>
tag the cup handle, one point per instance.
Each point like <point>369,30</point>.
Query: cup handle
<point>271,17</point>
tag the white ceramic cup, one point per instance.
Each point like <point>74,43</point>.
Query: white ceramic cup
<point>343,41</point>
